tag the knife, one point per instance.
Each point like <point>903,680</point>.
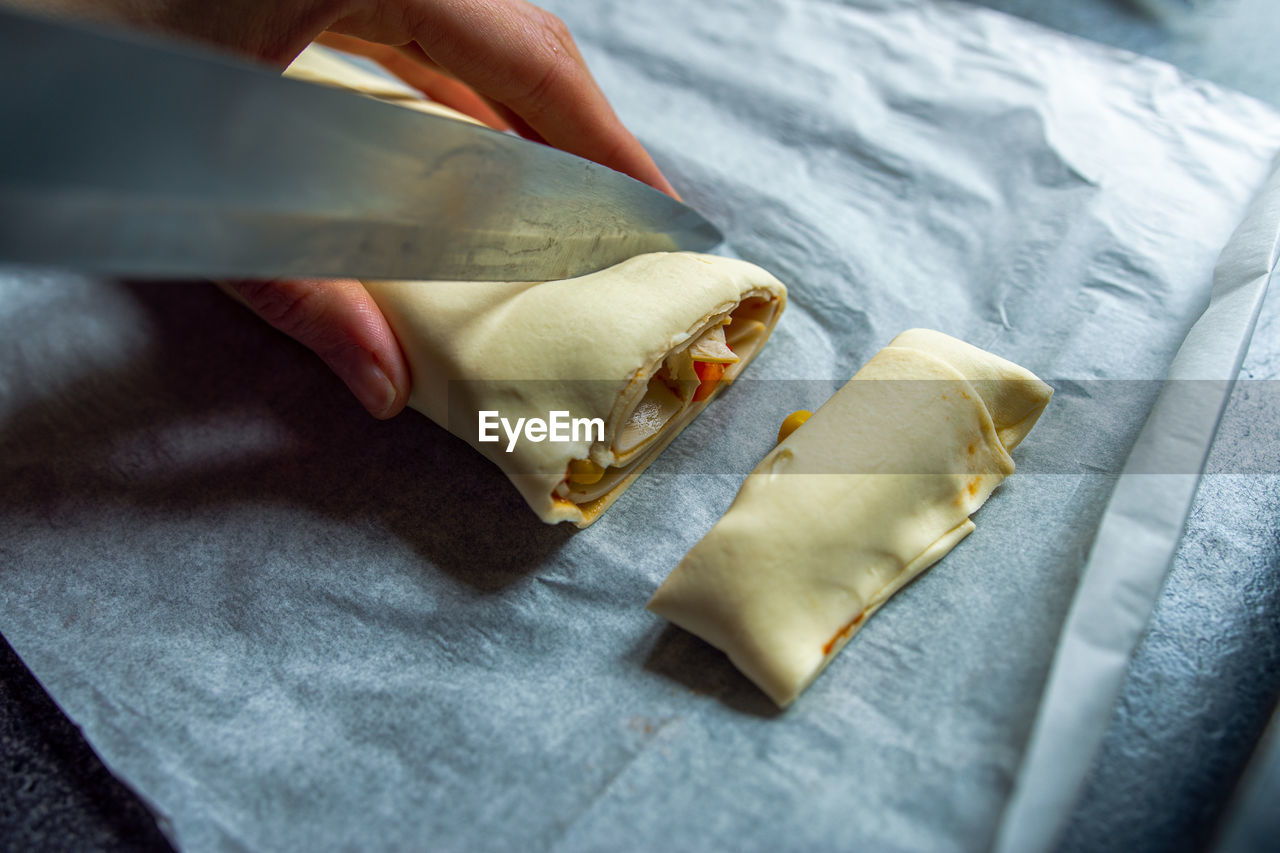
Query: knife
<point>127,155</point>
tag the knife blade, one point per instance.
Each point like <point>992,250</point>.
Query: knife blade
<point>128,155</point>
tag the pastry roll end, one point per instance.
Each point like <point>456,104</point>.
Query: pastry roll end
<point>637,350</point>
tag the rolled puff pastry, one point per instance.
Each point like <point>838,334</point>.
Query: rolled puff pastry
<point>628,345</point>
<point>619,345</point>
<point>868,493</point>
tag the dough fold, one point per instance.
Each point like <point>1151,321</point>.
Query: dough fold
<point>641,346</point>
<point>873,489</point>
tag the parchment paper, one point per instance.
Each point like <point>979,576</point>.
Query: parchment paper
<point>288,626</point>
<point>1138,536</point>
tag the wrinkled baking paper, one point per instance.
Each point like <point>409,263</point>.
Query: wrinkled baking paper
<point>288,626</point>
<point>1139,533</point>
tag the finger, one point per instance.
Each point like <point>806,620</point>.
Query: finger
<point>491,112</point>
<point>524,58</point>
<point>516,123</point>
<point>340,322</point>
<point>374,50</point>
<point>414,67</point>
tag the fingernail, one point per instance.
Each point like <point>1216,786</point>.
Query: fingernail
<point>370,385</point>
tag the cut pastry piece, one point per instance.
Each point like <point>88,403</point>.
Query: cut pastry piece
<point>853,503</point>
<point>623,345</point>
<point>640,346</point>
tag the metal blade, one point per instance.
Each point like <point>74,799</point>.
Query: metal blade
<point>124,155</point>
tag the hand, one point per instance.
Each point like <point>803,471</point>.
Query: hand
<point>505,62</point>
<point>338,320</point>
<point>512,55</point>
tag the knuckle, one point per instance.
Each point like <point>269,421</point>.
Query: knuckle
<point>289,306</point>
<point>553,30</point>
<point>540,96</point>
<point>554,63</point>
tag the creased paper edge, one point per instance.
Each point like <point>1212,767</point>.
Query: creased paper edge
<point>1137,538</point>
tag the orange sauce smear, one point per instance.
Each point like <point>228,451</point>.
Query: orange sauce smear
<point>843,632</point>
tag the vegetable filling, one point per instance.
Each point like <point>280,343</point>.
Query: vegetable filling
<point>688,376</point>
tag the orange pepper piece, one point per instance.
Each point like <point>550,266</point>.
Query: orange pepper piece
<point>709,373</point>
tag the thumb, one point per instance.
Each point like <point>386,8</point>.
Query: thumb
<point>339,321</point>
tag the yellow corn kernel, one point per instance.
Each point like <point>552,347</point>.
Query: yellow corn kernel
<point>584,472</point>
<point>792,423</point>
